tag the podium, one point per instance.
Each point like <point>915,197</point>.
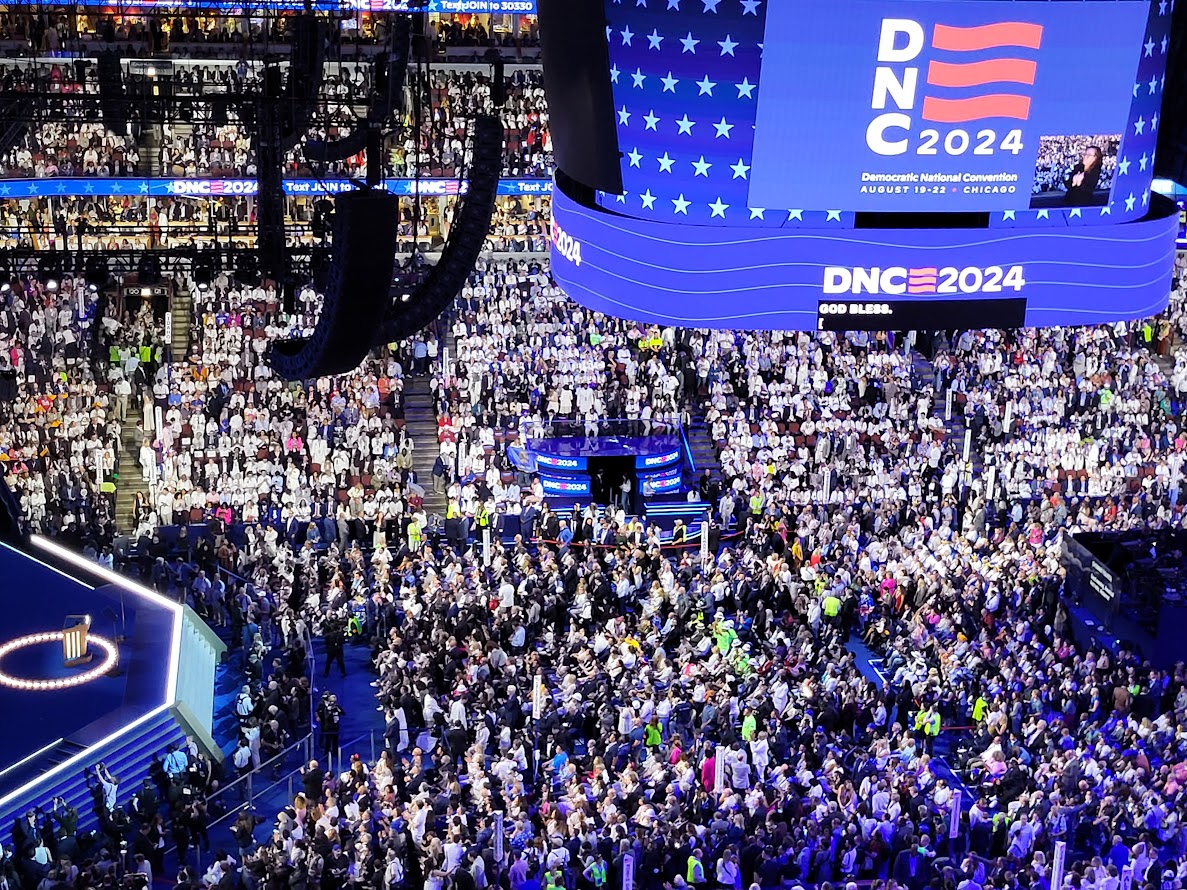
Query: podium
<point>74,640</point>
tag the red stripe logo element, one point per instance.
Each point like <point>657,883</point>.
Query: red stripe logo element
<point>961,111</point>
<point>921,281</point>
<point>995,36</point>
<point>977,74</point>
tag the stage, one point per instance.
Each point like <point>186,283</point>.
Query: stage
<point>582,468</point>
<point>54,723</point>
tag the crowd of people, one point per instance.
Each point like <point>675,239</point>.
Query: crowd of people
<point>62,137</point>
<point>68,361</point>
<point>880,620</point>
<point>129,222</point>
<point>850,514</point>
<point>211,36</point>
<point>658,665</point>
<point>237,444</point>
<point>69,142</point>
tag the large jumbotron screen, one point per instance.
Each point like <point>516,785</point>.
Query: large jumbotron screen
<point>817,164</point>
<point>892,106</point>
<point>948,106</point>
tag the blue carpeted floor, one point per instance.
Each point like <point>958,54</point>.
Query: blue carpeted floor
<point>870,666</point>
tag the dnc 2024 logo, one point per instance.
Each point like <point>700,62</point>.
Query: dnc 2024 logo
<point>922,281</point>
<point>565,245</point>
<point>973,74</point>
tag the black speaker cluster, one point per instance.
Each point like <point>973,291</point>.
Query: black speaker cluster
<point>356,297</point>
<point>360,309</point>
<point>111,92</point>
<point>466,239</point>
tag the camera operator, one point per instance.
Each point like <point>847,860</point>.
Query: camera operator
<point>104,788</point>
<point>329,719</point>
<point>335,638</point>
<point>66,818</point>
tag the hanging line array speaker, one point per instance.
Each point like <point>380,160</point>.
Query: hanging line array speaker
<point>391,73</point>
<point>466,240</point>
<point>357,294</point>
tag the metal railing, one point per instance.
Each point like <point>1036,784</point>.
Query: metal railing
<point>368,736</point>
<point>242,794</point>
<point>249,789</point>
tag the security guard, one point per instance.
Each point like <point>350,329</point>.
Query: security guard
<point>696,870</point>
<point>927,723</point>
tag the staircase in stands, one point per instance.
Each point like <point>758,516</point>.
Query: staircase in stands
<point>923,374</point>
<point>131,479</point>
<point>702,449</point>
<point>181,311</point>
<point>420,421</point>
<point>150,151</point>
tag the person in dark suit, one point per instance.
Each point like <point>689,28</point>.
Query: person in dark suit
<point>24,834</point>
<point>1081,185</point>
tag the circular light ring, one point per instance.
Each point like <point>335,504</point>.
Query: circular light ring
<point>110,657</point>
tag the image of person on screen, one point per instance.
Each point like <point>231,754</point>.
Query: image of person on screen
<point>1081,185</point>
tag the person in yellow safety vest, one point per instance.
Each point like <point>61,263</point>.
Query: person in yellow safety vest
<point>696,870</point>
<point>749,725</point>
<point>595,872</point>
<point>927,723</point>
<point>831,607</point>
<point>756,504</point>
<point>980,707</point>
<point>453,511</point>
<point>653,735</point>
<point>414,535</point>
<point>726,635</point>
<point>481,517</point>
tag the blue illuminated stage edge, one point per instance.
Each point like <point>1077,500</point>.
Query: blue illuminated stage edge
<point>160,690</point>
